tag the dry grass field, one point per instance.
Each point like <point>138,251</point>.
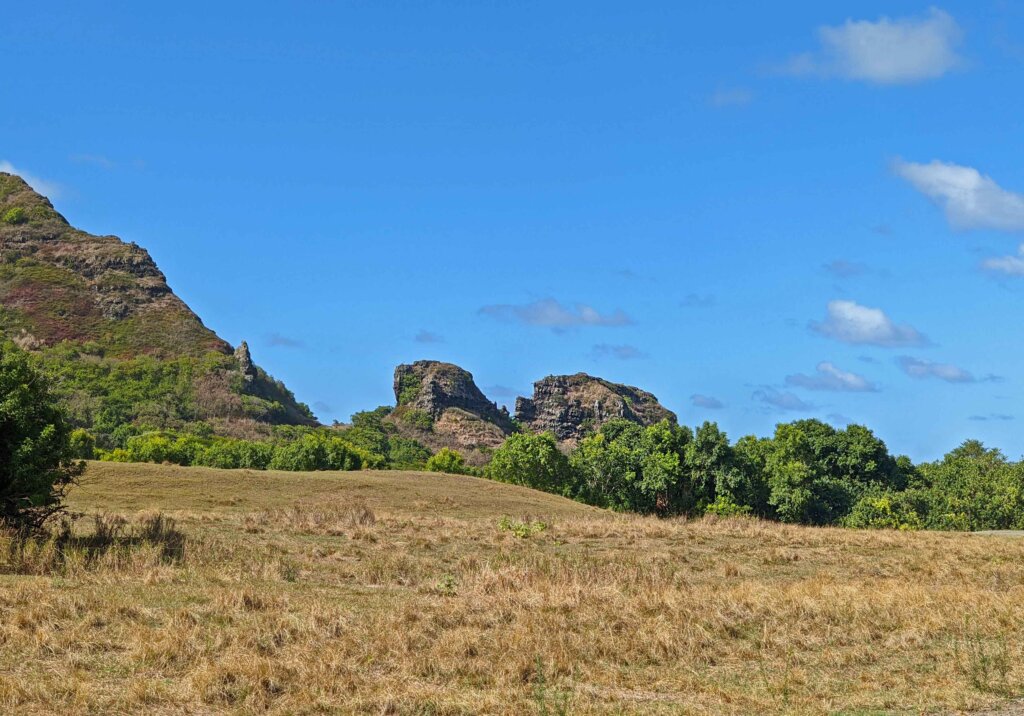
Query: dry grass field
<point>194,591</point>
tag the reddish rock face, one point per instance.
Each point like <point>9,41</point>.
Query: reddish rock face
<point>573,406</point>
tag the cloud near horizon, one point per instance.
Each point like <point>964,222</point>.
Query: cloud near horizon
<point>970,199</point>
<point>276,339</point>
<point>886,52</point>
<point>706,401</point>
<point>549,313</point>
<point>829,377</point>
<point>850,322</point>
<point>782,400</point>
<point>921,369</point>
<point>49,189</point>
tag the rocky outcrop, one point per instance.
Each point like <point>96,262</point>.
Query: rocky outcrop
<point>104,301</point>
<point>573,406</point>
<point>439,405</point>
<point>433,387</point>
<point>58,283</point>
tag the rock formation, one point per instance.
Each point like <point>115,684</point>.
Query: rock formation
<point>440,405</point>
<point>96,305</point>
<point>573,406</point>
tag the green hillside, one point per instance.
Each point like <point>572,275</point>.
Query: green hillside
<point>127,354</point>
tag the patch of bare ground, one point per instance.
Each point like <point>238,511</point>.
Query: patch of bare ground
<point>412,593</point>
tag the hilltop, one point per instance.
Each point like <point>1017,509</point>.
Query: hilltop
<point>125,350</point>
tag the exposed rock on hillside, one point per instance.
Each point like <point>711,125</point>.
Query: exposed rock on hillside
<point>440,405</point>
<point>122,346</point>
<point>572,406</point>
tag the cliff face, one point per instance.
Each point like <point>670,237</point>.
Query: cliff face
<point>96,307</point>
<point>58,283</point>
<point>440,405</point>
<point>573,406</point>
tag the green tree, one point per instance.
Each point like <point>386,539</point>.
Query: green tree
<point>37,463</point>
<point>447,460</point>
<point>531,460</point>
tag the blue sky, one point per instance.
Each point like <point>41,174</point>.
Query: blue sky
<point>759,214</point>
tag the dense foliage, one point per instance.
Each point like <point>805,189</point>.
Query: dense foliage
<point>37,460</point>
<point>808,472</point>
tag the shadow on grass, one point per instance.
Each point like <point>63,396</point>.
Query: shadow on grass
<point>114,542</point>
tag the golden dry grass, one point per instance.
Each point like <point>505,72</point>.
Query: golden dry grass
<point>399,593</point>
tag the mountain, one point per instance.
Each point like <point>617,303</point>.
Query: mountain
<point>439,405</point>
<point>573,406</point>
<point>126,352</point>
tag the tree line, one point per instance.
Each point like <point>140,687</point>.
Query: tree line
<point>807,472</point>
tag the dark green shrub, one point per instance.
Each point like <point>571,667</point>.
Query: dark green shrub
<point>531,460</point>
<point>37,463</point>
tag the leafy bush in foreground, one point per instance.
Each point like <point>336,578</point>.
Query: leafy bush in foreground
<point>37,461</point>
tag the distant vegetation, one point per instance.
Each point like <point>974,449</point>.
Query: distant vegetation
<point>808,472</point>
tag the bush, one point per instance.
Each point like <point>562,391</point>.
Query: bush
<point>15,216</point>
<point>446,460</point>
<point>83,444</point>
<point>531,460</point>
<point>889,510</point>
<point>37,462</point>
<point>724,507</point>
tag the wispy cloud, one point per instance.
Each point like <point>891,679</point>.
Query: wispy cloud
<point>47,188</point>
<point>828,377</point>
<point>887,51</point>
<point>622,352</point>
<point>850,322</point>
<point>550,313</point>
<point>782,400</point>
<point>921,369</point>
<point>95,159</point>
<point>1006,265</point>
<point>970,199</point>
<point>276,339</point>
<point>725,97</point>
<point>428,337</point>
<point>500,391</point>
<point>695,300</point>
<point>842,268</point>
<point>706,401</point>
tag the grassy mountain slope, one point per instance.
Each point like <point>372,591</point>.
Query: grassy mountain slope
<point>402,593</point>
<point>126,351</point>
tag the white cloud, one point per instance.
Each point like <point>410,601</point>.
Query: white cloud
<point>552,314</point>
<point>1006,265</point>
<point>851,322</point>
<point>49,189</point>
<point>829,377</point>
<point>970,199</point>
<point>888,51</point>
<point>918,368</point>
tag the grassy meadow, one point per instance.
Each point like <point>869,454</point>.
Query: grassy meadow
<point>193,590</point>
